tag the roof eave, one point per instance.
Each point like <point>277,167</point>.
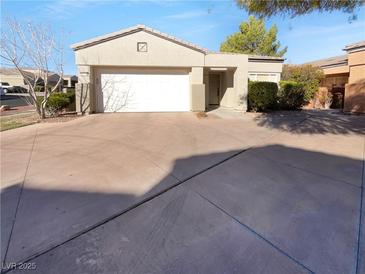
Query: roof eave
<point>124,32</point>
<point>258,58</point>
<point>106,37</point>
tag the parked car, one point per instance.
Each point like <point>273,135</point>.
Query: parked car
<point>2,91</point>
<point>5,87</point>
<point>19,89</point>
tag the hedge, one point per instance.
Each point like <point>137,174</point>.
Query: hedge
<point>308,75</point>
<point>262,95</point>
<point>58,101</point>
<point>291,95</point>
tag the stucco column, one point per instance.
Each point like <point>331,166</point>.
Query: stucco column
<point>84,102</point>
<point>197,89</point>
<point>240,84</point>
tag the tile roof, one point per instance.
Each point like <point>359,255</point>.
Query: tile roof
<point>134,29</point>
<point>123,32</point>
<point>331,61</point>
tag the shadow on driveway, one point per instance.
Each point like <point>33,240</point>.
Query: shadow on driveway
<point>314,122</point>
<point>247,212</point>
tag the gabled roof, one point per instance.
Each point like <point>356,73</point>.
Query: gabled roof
<point>134,29</point>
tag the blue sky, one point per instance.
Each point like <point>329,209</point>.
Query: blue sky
<point>206,23</point>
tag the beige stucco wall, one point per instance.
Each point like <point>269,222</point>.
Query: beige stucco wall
<point>225,60</point>
<point>357,73</point>
<point>228,87</point>
<point>235,96</point>
<point>121,54</point>
<point>336,80</point>
<point>336,70</point>
<point>265,66</point>
<point>355,89</point>
<point>356,62</point>
<point>355,68</point>
<point>85,91</point>
<point>356,58</point>
<point>197,89</point>
<point>13,80</point>
<point>123,51</point>
<point>355,97</point>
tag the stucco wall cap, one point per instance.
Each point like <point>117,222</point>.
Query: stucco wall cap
<point>357,45</point>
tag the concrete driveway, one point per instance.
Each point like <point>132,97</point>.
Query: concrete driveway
<point>157,193</point>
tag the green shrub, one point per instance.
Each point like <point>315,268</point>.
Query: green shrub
<point>39,89</point>
<point>70,90</point>
<point>58,101</point>
<point>262,95</point>
<point>291,95</point>
<point>308,75</point>
<point>71,96</point>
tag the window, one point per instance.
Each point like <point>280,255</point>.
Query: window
<point>142,46</point>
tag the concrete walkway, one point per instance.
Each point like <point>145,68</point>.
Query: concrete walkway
<point>157,193</point>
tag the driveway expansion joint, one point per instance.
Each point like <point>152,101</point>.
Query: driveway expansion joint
<point>179,182</point>
<point>38,254</point>
<point>358,251</point>
<point>19,198</point>
<point>246,227</point>
<point>110,218</point>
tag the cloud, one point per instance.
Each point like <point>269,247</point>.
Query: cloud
<point>325,30</point>
<point>187,14</point>
<point>62,9</point>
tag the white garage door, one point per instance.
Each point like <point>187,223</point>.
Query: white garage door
<point>145,92</point>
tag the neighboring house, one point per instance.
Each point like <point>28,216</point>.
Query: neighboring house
<point>141,69</point>
<point>14,78</point>
<point>346,74</point>
<point>69,81</point>
<point>11,76</point>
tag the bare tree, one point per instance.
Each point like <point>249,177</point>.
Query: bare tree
<point>34,46</point>
<point>116,92</point>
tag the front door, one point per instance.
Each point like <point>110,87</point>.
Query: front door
<point>214,89</point>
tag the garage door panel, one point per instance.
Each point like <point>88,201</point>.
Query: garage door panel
<point>145,92</point>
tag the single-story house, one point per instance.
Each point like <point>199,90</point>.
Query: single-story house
<point>346,74</point>
<point>69,81</point>
<point>140,69</point>
<point>11,76</point>
<point>15,79</point>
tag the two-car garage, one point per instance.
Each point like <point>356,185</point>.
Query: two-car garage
<point>140,69</point>
<point>144,91</point>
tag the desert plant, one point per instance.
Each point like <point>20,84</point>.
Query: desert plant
<point>262,95</point>
<point>326,100</point>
